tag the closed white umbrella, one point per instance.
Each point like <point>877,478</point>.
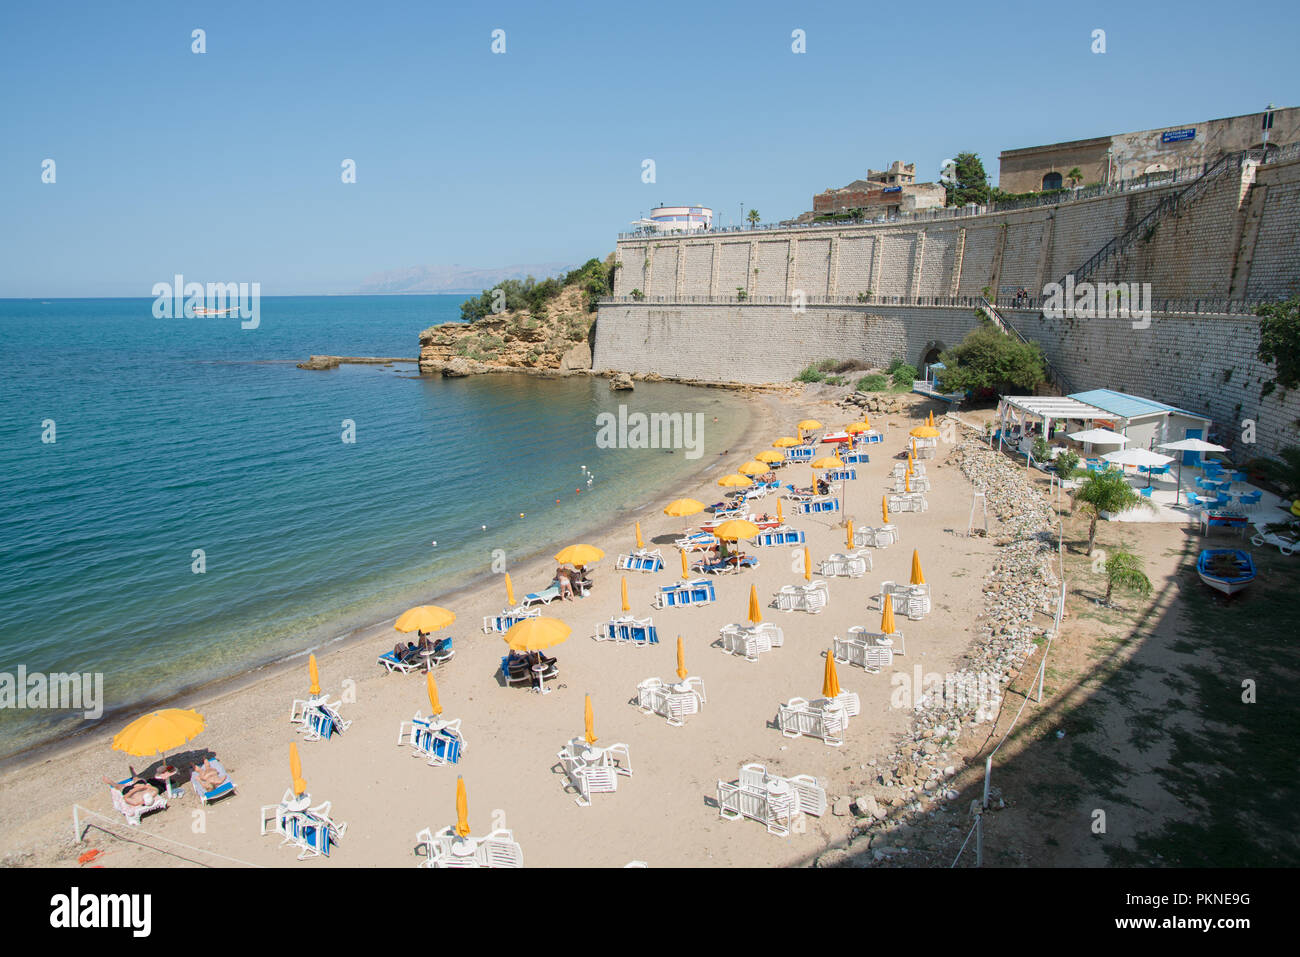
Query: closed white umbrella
<point>1143,457</point>
<point>1189,445</point>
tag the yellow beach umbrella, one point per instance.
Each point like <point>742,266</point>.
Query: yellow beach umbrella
<point>848,535</point>
<point>510,589</point>
<point>887,616</point>
<point>884,509</point>
<point>855,428</point>
<point>435,706</point>
<point>462,809</point>
<point>579,555</point>
<point>809,424</point>
<point>686,566</point>
<point>755,613</point>
<point>831,680</point>
<point>295,769</point>
<point>925,432</point>
<point>735,480</point>
<point>918,578</point>
<point>735,529</point>
<point>639,542</point>
<point>589,720</point>
<point>158,732</point>
<point>313,672</point>
<point>827,462</point>
<point>779,516</point>
<point>907,483</point>
<point>424,618</point>
<point>681,660</point>
<point>682,507</point>
<point>626,606</point>
<point>786,442</point>
<point>753,467</point>
<point>534,634</point>
<point>770,456</point>
<point>807,565</point>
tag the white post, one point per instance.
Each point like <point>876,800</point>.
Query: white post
<point>988,773</point>
<point>76,825</point>
<point>979,840</point>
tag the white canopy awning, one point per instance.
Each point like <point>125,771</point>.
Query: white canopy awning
<point>1056,407</point>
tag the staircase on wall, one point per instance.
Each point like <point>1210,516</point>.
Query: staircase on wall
<point>1054,375</point>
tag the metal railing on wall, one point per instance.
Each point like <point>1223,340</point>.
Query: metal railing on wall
<point>1035,304</point>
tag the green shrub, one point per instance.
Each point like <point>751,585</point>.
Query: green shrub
<point>873,383</point>
<point>904,375</point>
<point>810,374</point>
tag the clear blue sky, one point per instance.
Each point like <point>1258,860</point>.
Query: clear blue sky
<point>226,166</point>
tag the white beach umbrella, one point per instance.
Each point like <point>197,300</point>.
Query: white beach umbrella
<point>1189,445</point>
<point>1099,437</point>
<point>1142,457</point>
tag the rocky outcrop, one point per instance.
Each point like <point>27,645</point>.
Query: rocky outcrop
<point>333,362</point>
<point>621,383</point>
<point>552,342</point>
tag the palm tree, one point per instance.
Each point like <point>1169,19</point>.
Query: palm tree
<point>1125,570</point>
<point>753,218</point>
<point>1106,492</point>
<point>1075,176</point>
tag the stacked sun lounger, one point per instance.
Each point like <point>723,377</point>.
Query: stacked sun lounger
<point>750,641</point>
<point>812,597</point>
<point>856,458</point>
<point>912,600</point>
<point>725,565</point>
<point>447,849</point>
<point>773,801</point>
<point>629,630</point>
<point>439,741</point>
<point>310,829</point>
<point>317,718</point>
<point>801,453</point>
<point>846,565</point>
<point>879,537</point>
<point>905,502</point>
<point>508,618</point>
<point>817,503</point>
<point>700,591</point>
<point>671,700</point>
<point>782,535</point>
<point>840,475</point>
<point>641,560</point>
<point>825,720</point>
<point>590,769</point>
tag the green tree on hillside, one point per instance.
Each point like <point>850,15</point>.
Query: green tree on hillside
<point>971,182</point>
<point>988,359</point>
<point>1279,342</point>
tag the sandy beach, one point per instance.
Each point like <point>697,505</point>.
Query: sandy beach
<point>663,813</point>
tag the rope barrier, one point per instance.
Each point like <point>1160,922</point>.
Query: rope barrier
<point>77,825</point>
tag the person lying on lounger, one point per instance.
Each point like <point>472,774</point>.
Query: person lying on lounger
<point>408,654</point>
<point>135,792</point>
<point>211,774</point>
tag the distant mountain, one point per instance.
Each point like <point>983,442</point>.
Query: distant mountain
<point>453,279</point>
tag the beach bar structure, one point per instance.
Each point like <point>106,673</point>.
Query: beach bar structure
<point>1145,422</point>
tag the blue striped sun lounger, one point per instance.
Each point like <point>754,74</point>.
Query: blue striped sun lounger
<point>781,536</point>
<point>697,592</point>
<point>818,505</point>
<point>857,458</point>
<point>839,475</point>
<point>543,597</point>
<point>641,561</point>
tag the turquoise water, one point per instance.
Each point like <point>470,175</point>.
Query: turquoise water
<point>174,435</point>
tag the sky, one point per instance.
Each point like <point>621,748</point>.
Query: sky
<point>226,166</point>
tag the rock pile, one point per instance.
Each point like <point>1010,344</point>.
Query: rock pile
<point>915,819</point>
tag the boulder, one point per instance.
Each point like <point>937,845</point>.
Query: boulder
<point>621,383</point>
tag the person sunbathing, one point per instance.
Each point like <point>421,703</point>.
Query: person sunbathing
<point>211,774</point>
<point>135,792</point>
<point>562,581</point>
<point>407,654</point>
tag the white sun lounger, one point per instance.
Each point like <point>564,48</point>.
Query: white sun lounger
<point>654,696</point>
<point>641,560</point>
<point>1285,542</point>
<point>846,565</point>
<point>798,717</point>
<point>133,812</point>
<point>882,537</point>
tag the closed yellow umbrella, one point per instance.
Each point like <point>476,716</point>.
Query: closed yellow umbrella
<point>925,432</point>
<point>579,555</point>
<point>424,618</point>
<point>807,565</point>
<point>735,480</point>
<point>755,613</point>
<point>686,566</point>
<point>753,467</point>
<point>887,616</point>
<point>786,442</point>
<point>158,732</point>
<point>462,809</point>
<point>510,589</point>
<point>534,634</point>
<point>848,535</point>
<point>913,446</point>
<point>683,507</point>
<point>589,720</point>
<point>831,680</point>
<point>435,706</point>
<point>681,660</point>
<point>866,420</point>
<point>918,578</point>
<point>639,542</point>
<point>314,673</point>
<point>295,769</point>
<point>770,456</point>
<point>735,529</point>
<point>827,462</point>
<point>779,516</point>
<point>931,420</point>
<point>626,606</point>
<point>884,509</point>
<point>910,462</point>
<point>907,483</point>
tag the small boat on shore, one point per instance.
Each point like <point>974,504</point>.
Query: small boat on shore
<point>836,437</point>
<point>1228,570</point>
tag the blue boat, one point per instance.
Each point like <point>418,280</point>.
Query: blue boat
<point>1228,570</point>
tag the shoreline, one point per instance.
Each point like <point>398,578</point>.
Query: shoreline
<point>214,689</point>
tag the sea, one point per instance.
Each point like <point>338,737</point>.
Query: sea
<point>179,503</point>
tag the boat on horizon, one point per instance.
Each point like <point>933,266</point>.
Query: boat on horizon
<point>1228,570</point>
